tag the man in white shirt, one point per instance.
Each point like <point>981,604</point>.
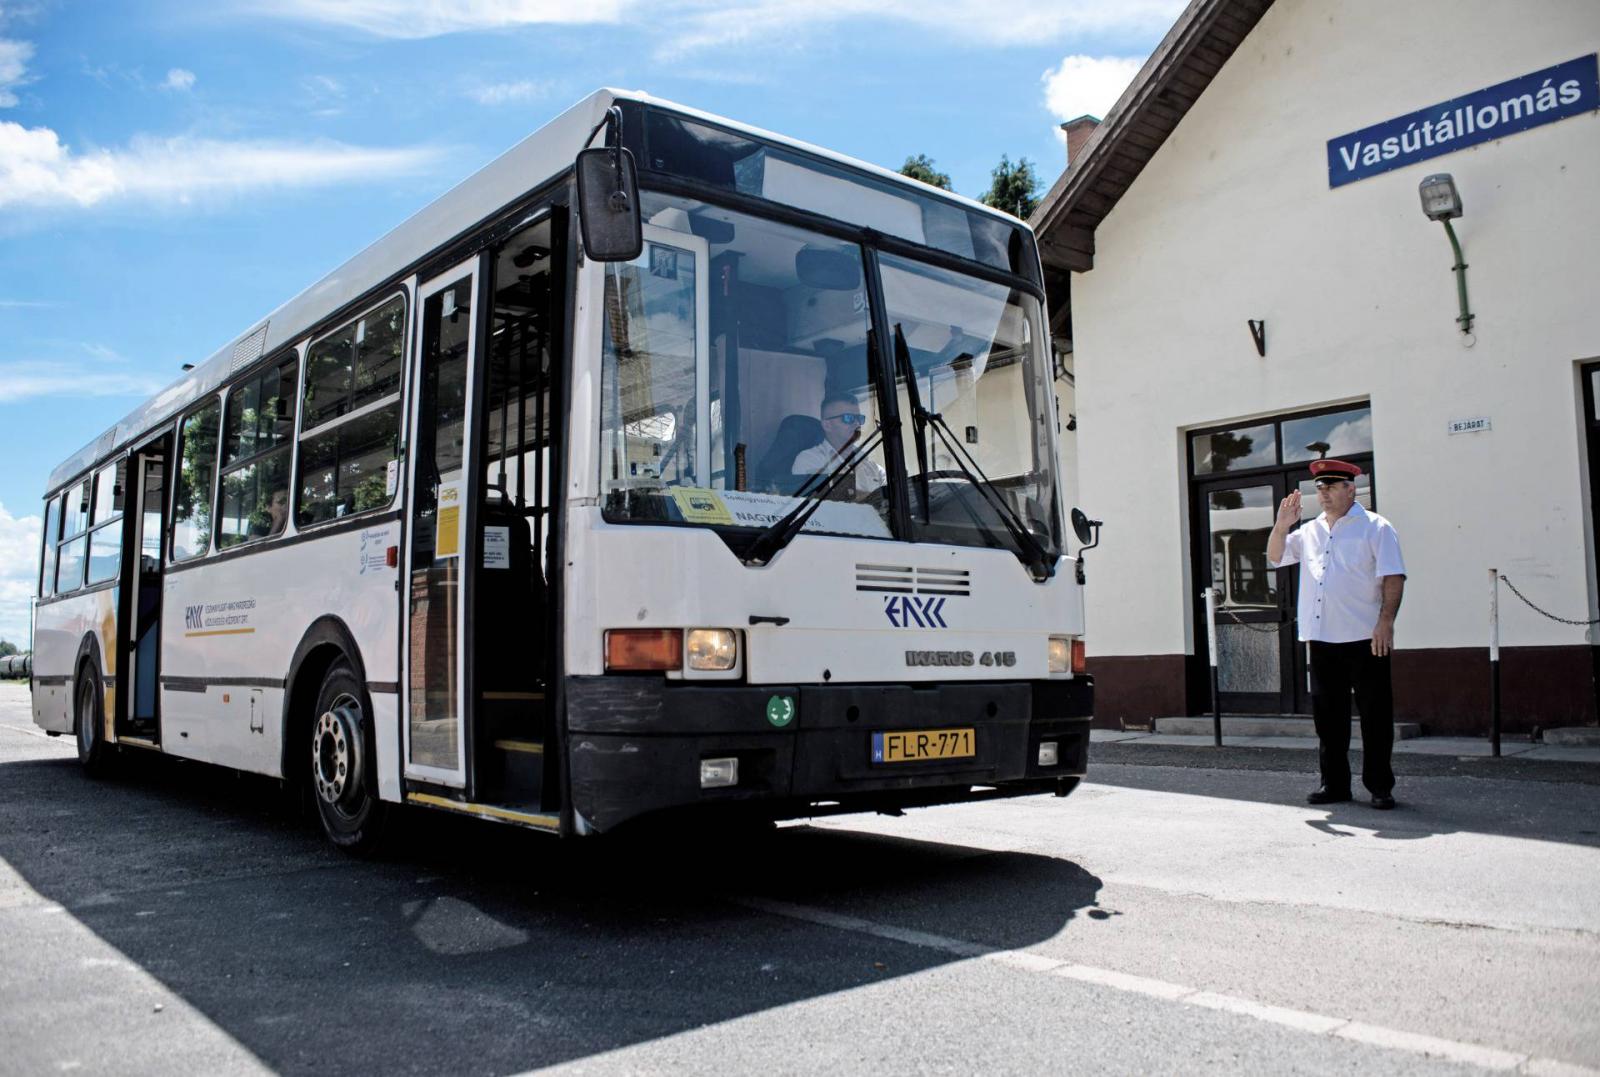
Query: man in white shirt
<point>1351,581</point>
<point>842,423</point>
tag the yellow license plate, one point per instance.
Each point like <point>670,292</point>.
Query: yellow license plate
<point>914,745</point>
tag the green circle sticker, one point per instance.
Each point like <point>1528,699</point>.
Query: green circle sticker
<point>780,710</point>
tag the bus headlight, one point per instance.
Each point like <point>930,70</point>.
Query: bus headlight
<point>712,650</point>
<point>1060,654</point>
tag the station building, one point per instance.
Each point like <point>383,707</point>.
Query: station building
<point>1243,279</point>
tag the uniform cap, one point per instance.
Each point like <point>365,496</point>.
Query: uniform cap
<point>1325,471</point>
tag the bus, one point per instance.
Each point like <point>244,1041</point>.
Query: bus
<point>665,468</point>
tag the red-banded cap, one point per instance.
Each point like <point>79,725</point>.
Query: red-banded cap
<point>1323,471</point>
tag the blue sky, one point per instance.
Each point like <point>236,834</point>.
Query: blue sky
<point>172,171</point>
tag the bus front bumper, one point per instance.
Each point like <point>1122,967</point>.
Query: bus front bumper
<point>636,743</point>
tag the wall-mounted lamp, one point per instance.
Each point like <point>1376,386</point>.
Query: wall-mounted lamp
<point>1441,202</point>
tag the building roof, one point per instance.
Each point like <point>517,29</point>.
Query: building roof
<point>1205,36</point>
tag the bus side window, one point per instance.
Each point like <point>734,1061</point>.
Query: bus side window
<point>256,431</point>
<point>105,541</point>
<point>52,533</point>
<point>75,521</point>
<point>350,417</point>
<point>197,465</point>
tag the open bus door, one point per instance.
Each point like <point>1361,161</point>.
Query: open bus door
<point>138,719</point>
<point>438,547</point>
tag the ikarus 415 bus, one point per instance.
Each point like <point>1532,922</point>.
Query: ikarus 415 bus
<point>664,468</point>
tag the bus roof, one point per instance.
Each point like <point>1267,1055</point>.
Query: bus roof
<point>537,158</point>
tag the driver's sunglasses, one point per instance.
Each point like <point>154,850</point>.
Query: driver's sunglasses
<point>849,418</point>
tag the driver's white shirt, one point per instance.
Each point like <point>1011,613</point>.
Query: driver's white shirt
<point>1341,572</point>
<point>821,458</point>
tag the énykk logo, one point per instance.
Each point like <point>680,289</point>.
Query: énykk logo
<point>908,611</point>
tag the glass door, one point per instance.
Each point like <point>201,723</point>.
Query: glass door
<point>438,538</point>
<point>1254,622</point>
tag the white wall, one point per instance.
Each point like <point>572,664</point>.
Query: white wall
<point>1233,219</point>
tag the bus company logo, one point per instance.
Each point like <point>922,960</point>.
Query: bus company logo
<point>194,617</point>
<point>908,611</point>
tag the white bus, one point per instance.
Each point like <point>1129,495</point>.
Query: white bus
<point>702,470</point>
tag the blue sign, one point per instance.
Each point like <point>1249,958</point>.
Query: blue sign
<point>1530,101</point>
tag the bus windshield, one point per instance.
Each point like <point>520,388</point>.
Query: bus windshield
<point>737,377</point>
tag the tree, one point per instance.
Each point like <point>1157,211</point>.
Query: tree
<point>7,648</point>
<point>921,168</point>
<point>1013,187</point>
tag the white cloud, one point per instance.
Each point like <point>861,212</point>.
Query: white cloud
<point>690,25</point>
<point>179,79</point>
<point>14,57</point>
<point>707,23</point>
<point>502,93</point>
<point>103,374</point>
<point>19,573</point>
<point>1089,85</point>
<point>38,170</point>
<point>432,18</point>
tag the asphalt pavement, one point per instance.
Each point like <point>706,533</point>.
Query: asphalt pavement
<point>1188,915</point>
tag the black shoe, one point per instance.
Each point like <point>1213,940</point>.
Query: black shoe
<point>1383,802</point>
<point>1323,796</point>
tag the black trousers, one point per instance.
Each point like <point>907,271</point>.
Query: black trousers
<point>1336,670</point>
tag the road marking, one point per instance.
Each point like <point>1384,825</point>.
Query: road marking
<point>1300,1020</point>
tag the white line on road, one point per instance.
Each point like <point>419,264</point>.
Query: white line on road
<point>1300,1020</point>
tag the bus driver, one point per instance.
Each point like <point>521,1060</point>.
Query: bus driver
<point>841,428</point>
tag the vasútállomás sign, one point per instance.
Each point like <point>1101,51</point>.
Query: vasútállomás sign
<point>1530,101</point>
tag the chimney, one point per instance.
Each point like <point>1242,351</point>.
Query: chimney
<point>1078,132</point>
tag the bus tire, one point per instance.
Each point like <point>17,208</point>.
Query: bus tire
<point>88,723</point>
<point>343,782</point>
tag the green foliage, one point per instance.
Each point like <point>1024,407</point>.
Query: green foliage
<point>7,648</point>
<point>1012,187</point>
<point>921,168</point>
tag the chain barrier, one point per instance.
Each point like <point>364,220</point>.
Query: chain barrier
<point>1544,613</point>
<point>1273,628</point>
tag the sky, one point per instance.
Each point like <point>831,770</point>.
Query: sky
<point>170,172</point>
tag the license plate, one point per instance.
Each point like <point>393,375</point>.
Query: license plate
<point>915,745</point>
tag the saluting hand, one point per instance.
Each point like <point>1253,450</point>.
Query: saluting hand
<point>1289,510</point>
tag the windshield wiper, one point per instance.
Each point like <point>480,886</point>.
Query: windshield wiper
<point>919,414</point>
<point>813,492</point>
<point>1029,550</point>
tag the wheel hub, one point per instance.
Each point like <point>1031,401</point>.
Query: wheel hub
<point>335,764</point>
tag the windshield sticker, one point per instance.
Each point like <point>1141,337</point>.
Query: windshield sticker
<point>751,509</point>
<point>701,506</point>
<point>908,611</point>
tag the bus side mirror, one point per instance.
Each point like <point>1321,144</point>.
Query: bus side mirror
<point>1086,529</point>
<point>608,205</point>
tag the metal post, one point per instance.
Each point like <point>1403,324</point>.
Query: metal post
<point>1494,662</point>
<point>1210,597</point>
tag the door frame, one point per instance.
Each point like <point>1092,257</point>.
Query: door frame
<point>476,268</point>
<point>128,578</point>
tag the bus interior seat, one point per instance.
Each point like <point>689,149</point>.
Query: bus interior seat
<point>795,435</point>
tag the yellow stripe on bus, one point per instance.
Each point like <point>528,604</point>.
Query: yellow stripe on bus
<point>548,822</point>
<point>220,632</point>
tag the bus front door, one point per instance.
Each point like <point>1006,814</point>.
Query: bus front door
<point>142,585</point>
<point>439,546</point>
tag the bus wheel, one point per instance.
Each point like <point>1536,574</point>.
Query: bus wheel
<point>88,722</point>
<point>341,765</point>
